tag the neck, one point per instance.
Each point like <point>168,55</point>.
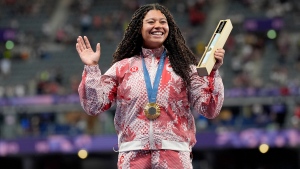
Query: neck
<point>156,52</point>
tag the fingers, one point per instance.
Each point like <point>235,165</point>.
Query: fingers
<point>98,48</point>
<point>79,45</point>
<point>83,45</point>
<point>81,42</point>
<point>220,52</point>
<point>219,55</point>
<point>79,50</point>
<point>219,60</point>
<point>88,45</point>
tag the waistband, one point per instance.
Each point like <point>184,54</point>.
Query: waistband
<point>166,144</point>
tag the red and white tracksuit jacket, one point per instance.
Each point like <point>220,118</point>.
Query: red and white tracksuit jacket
<point>124,85</point>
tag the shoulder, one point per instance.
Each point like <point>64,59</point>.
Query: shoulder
<point>128,60</point>
<point>125,64</point>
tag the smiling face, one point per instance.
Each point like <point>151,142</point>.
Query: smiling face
<point>155,29</point>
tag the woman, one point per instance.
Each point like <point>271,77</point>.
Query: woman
<point>154,83</point>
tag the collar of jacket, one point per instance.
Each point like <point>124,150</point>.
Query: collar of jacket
<point>153,52</point>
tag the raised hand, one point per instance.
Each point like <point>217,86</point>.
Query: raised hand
<point>219,56</point>
<point>86,53</point>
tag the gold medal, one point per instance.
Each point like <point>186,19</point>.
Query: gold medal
<point>152,111</point>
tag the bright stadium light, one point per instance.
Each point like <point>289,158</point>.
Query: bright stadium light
<point>82,154</point>
<point>9,45</point>
<point>263,148</point>
<point>272,34</point>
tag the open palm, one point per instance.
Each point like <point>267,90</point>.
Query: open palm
<point>85,51</point>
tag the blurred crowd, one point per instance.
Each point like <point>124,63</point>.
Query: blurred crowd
<point>253,59</point>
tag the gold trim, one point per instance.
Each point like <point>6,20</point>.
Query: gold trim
<point>148,107</point>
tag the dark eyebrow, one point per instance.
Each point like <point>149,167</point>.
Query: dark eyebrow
<point>155,19</point>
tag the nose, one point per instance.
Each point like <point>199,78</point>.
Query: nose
<point>157,25</point>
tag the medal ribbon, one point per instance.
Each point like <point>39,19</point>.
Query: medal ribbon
<point>152,92</point>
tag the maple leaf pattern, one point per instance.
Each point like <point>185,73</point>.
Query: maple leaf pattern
<point>123,84</point>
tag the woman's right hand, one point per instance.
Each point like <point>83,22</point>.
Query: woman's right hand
<point>86,53</point>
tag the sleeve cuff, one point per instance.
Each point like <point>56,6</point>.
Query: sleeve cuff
<point>92,68</point>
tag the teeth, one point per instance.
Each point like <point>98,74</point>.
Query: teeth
<point>157,33</point>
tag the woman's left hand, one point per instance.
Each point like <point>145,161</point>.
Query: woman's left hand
<point>219,56</point>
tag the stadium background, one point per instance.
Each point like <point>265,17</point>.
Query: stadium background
<point>42,125</point>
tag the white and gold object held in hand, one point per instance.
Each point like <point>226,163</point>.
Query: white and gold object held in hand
<point>220,36</point>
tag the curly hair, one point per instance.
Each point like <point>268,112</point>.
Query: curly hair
<point>180,56</point>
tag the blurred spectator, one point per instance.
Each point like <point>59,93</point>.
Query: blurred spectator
<point>180,7</point>
<point>42,52</point>
<point>9,129</point>
<point>262,118</point>
<point>85,5</point>
<point>278,112</point>
<point>60,35</point>
<point>77,122</point>
<point>247,119</point>
<point>14,23</point>
<point>236,64</point>
<point>131,5</point>
<point>20,90</point>
<point>297,60</point>
<point>97,22</point>
<point>74,83</point>
<point>279,75</point>
<point>85,21</point>
<point>196,15</point>
<point>295,118</point>
<point>241,80</point>
<point>10,2</point>
<point>110,36</point>
<point>5,66</point>
<point>283,44</point>
<point>31,87</point>
<point>202,123</point>
<point>105,125</point>
<point>227,118</point>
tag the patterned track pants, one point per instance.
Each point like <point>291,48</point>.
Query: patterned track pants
<point>154,159</point>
